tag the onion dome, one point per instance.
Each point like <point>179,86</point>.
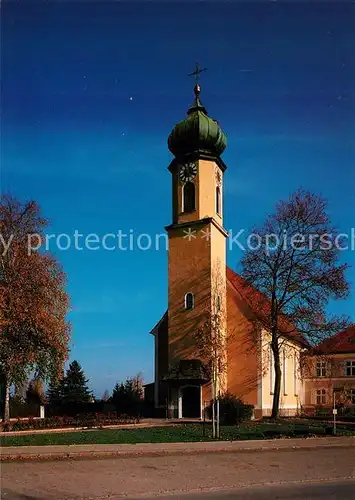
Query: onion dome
<point>198,133</point>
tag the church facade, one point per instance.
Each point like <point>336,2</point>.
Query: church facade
<point>200,283</point>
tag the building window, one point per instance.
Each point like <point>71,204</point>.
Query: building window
<point>189,197</point>
<point>352,396</point>
<point>189,301</point>
<point>350,368</point>
<point>284,378</point>
<point>219,303</point>
<point>218,200</point>
<point>321,396</point>
<point>272,371</point>
<point>295,374</point>
<point>321,369</point>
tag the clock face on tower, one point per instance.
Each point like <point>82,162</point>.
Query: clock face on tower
<point>187,171</point>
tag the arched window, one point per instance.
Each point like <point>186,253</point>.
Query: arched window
<point>218,200</point>
<point>189,301</point>
<point>189,197</point>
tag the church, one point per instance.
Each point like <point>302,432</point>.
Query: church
<point>199,282</point>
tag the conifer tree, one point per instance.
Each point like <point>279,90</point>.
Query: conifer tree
<point>74,386</point>
<point>128,396</point>
<point>55,391</point>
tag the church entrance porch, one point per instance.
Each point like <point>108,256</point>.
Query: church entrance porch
<point>185,380</point>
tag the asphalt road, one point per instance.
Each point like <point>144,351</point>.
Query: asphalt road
<point>344,490</point>
<point>314,491</point>
<point>259,475</point>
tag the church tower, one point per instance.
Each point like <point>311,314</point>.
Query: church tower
<point>197,252</point>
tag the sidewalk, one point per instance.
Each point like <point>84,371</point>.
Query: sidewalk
<point>24,453</point>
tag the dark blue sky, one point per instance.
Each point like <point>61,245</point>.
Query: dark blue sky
<point>90,92</point>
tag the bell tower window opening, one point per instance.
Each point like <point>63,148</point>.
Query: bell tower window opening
<point>189,197</point>
<point>189,301</point>
<point>218,200</point>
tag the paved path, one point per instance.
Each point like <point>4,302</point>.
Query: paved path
<point>252,475</point>
<point>58,452</point>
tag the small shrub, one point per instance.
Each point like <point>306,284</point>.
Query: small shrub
<point>232,410</point>
<point>19,425</point>
<point>321,411</point>
<point>346,411</point>
<point>6,426</point>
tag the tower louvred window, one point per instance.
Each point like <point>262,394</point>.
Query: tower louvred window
<point>189,197</point>
<point>218,200</point>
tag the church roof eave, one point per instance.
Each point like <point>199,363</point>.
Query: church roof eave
<point>155,329</point>
<point>197,155</point>
<point>258,305</point>
<point>206,220</point>
<point>340,343</point>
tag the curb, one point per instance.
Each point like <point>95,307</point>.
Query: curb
<point>273,445</point>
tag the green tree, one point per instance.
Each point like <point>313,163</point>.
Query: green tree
<point>55,392</point>
<point>128,396</point>
<point>20,391</point>
<point>74,388</point>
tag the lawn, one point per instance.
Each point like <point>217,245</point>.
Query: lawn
<point>176,433</point>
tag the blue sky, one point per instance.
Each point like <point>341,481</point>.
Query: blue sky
<point>90,93</point>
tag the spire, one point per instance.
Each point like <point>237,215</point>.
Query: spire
<point>197,106</point>
<point>198,133</point>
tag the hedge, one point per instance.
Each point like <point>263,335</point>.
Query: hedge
<point>78,421</point>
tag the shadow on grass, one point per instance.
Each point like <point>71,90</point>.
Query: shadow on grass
<point>181,432</point>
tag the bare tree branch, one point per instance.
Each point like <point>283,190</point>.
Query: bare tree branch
<point>298,275</point>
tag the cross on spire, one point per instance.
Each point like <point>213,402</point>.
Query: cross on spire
<point>197,72</point>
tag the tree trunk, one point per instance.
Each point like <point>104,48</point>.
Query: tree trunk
<point>7,401</point>
<point>213,408</point>
<point>216,402</point>
<point>218,426</point>
<point>5,398</point>
<point>213,419</point>
<point>277,386</point>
